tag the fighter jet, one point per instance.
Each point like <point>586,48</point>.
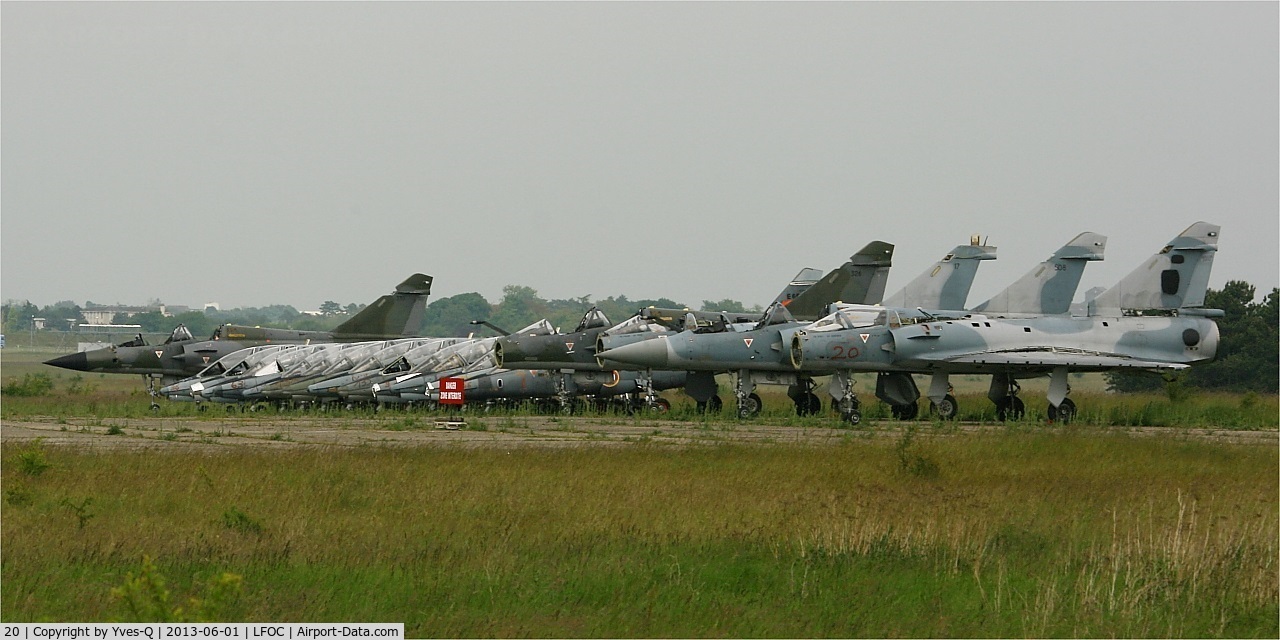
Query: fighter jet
<point>1119,332</point>
<point>470,356</point>
<point>1045,290</point>
<point>396,315</point>
<point>625,389</point>
<point>362,374</point>
<point>861,278</point>
<point>228,367</point>
<point>946,280</point>
<point>362,389</point>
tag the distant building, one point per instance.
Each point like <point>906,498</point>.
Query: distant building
<point>105,314</point>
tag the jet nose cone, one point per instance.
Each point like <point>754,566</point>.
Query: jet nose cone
<point>73,361</point>
<point>649,353</point>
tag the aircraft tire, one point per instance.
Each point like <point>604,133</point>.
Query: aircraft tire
<point>808,404</point>
<point>853,417</point>
<point>155,406</point>
<point>1064,412</point>
<point>750,407</point>
<point>1011,408</point>
<point>712,405</point>
<point>661,405</point>
<point>946,409</point>
<point>906,411</point>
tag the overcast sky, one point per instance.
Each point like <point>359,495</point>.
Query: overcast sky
<point>292,153</point>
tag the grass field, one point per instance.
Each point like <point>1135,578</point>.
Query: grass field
<point>1009,535</point>
<point>1022,531</point>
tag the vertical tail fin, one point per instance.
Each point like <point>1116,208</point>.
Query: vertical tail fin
<point>807,277</point>
<point>395,315</point>
<point>1175,277</point>
<point>946,284</point>
<point>1049,287</point>
<point>860,280</point>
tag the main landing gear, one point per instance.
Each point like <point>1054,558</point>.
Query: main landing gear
<point>1004,393</point>
<point>801,393</point>
<point>844,400</point>
<point>1065,411</point>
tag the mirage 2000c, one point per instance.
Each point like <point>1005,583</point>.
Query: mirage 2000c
<point>1150,321</point>
<point>946,282</point>
<point>395,315</point>
<point>571,359</point>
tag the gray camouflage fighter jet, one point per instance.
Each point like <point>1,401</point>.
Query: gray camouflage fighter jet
<point>860,278</point>
<point>947,279</point>
<point>1150,321</point>
<point>396,315</point>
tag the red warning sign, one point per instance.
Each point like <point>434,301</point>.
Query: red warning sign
<point>451,391</point>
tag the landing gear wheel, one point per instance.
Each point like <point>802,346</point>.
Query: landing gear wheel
<point>854,417</point>
<point>715,405</point>
<point>946,408</point>
<point>808,404</point>
<point>906,411</point>
<point>750,407</point>
<point>155,406</point>
<point>1010,409</point>
<point>661,405</point>
<point>1064,412</point>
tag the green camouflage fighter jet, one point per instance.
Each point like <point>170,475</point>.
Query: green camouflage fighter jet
<point>395,315</point>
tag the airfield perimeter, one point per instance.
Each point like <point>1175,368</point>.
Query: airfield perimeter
<point>236,431</point>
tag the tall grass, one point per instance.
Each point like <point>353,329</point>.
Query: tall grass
<point>1013,534</point>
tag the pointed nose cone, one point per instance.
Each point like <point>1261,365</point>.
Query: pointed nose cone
<point>73,361</point>
<point>649,353</point>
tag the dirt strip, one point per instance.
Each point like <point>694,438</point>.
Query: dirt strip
<point>227,433</point>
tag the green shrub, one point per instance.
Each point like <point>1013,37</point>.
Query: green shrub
<point>31,462</point>
<point>31,385</point>
<point>147,599</point>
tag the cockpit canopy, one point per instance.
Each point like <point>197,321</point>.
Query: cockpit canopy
<point>775,314</point>
<point>856,317</point>
<point>594,319</point>
<point>540,328</point>
<point>638,324</point>
<point>179,334</point>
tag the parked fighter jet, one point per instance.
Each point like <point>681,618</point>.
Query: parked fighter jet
<point>399,357</point>
<point>896,341</point>
<point>946,280</point>
<point>539,384</point>
<point>861,278</point>
<point>466,357</point>
<point>1046,290</point>
<point>363,389</point>
<point>396,315</point>
<point>232,365</point>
